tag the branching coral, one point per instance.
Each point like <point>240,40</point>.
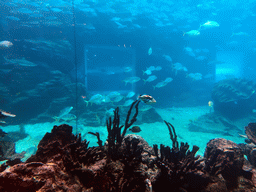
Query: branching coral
<point>115,137</point>
<point>179,167</point>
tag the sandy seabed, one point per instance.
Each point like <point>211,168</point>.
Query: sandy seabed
<point>153,133</point>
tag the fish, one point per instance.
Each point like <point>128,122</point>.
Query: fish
<point>189,51</point>
<point>158,68</point>
<point>192,33</point>
<point>195,76</point>
<point>210,104</point>
<point>201,58</point>
<point>160,84</point>
<point>150,51</point>
<point>12,18</point>
<point>178,67</point>
<point>113,94</point>
<point>128,102</point>
<point>68,117</point>
<point>4,114</point>
<point>168,58</point>
<point>147,99</point>
<point>65,111</point>
<point>150,79</point>
<point>209,25</point>
<point>127,69</point>
<point>96,99</point>
<point>148,72</point>
<point>240,34</point>
<point>131,80</point>
<point>130,94</point>
<point>22,62</point>
<point>118,98</point>
<point>151,68</point>
<point>168,80</point>
<point>5,44</point>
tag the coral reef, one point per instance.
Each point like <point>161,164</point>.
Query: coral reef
<point>234,97</point>
<point>63,162</point>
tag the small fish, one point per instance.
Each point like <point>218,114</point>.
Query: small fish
<point>168,80</point>
<point>189,51</point>
<point>150,79</point>
<point>178,67</point>
<point>147,99</point>
<point>65,111</point>
<point>130,94</point>
<point>4,114</point>
<point>127,69</point>
<point>192,33</point>
<point>118,98</point>
<point>209,25</point>
<point>151,68</point>
<point>240,34</point>
<point>113,94</point>
<point>168,58</point>
<point>96,99</point>
<point>128,102</point>
<point>131,80</point>
<point>68,117</point>
<point>160,84</point>
<point>148,72</point>
<point>210,104</point>
<point>158,68</point>
<point>201,58</point>
<point>195,76</point>
<point>150,51</point>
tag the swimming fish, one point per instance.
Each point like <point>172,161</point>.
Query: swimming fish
<point>128,102</point>
<point>96,99</point>
<point>131,80</point>
<point>160,84</point>
<point>4,114</point>
<point>168,80</point>
<point>210,104</point>
<point>158,68</point>
<point>150,51</point>
<point>150,79</point>
<point>192,33</point>
<point>130,94</point>
<point>209,25</point>
<point>148,72</point>
<point>168,58</point>
<point>195,76</point>
<point>127,69</point>
<point>147,99</point>
<point>5,44</point>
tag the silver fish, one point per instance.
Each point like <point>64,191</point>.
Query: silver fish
<point>131,80</point>
<point>65,111</point>
<point>150,79</point>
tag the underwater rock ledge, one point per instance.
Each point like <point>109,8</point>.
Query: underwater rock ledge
<point>63,162</point>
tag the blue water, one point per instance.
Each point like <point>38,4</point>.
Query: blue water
<point>66,52</point>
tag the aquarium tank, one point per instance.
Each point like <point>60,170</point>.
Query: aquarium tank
<point>88,64</point>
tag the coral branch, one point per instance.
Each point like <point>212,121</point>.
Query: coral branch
<point>98,137</point>
<point>172,135</point>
